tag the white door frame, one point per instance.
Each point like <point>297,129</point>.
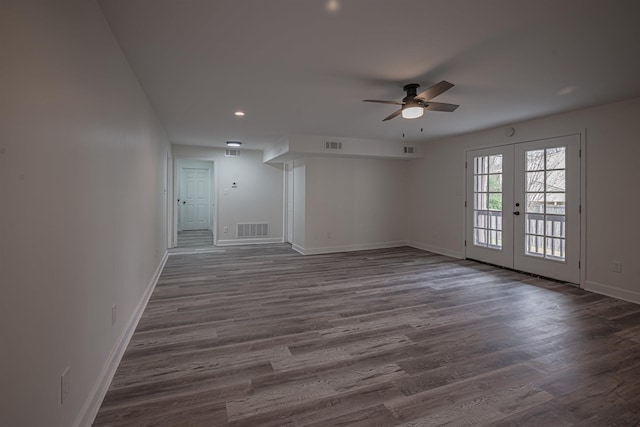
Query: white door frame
<point>171,243</point>
<point>582,134</point>
<point>288,202</point>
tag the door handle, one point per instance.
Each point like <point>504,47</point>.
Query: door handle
<point>516,213</point>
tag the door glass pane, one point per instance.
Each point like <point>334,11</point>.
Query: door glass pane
<point>480,201</point>
<point>535,202</point>
<point>555,228</point>
<point>546,203</point>
<point>480,219</point>
<point>556,158</point>
<point>487,201</point>
<point>481,182</point>
<point>481,165</point>
<point>554,248</point>
<point>555,180</point>
<point>535,160</point>
<point>495,183</point>
<point>535,245</point>
<point>495,201</point>
<point>495,164</point>
<point>480,237</point>
<point>555,204</point>
<point>535,181</point>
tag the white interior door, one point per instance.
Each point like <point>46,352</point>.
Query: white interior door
<point>523,207</point>
<point>194,203</point>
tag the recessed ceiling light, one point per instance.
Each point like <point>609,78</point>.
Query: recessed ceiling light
<point>239,113</point>
<point>333,5</point>
<point>234,143</point>
<point>566,90</point>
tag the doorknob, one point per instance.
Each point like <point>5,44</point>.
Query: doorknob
<point>516,213</point>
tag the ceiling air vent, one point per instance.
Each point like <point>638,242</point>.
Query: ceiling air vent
<point>409,150</point>
<point>232,153</point>
<point>332,145</point>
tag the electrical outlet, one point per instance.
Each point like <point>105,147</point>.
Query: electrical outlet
<point>65,385</point>
<point>114,313</point>
<point>616,266</point>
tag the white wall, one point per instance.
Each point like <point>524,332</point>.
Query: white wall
<point>82,173</point>
<point>354,204</point>
<point>610,210</point>
<point>257,198</point>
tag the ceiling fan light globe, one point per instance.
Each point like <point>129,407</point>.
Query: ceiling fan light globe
<point>412,112</point>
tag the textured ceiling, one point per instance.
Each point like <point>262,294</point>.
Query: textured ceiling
<point>296,67</point>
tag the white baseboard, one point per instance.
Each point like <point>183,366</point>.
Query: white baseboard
<point>348,248</point>
<point>92,404</point>
<point>610,291</point>
<point>237,242</point>
<point>435,249</point>
<point>297,248</point>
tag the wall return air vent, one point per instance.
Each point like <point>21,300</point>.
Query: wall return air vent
<point>253,230</point>
<point>409,150</point>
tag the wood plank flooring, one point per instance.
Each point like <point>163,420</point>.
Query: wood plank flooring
<point>262,336</point>
<point>195,238</point>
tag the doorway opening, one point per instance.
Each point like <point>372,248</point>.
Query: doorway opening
<point>194,195</point>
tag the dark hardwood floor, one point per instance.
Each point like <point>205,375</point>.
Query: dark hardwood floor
<point>262,336</point>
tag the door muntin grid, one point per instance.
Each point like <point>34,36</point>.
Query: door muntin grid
<point>545,207</point>
<point>487,201</point>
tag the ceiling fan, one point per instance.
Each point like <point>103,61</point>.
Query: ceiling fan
<point>413,105</point>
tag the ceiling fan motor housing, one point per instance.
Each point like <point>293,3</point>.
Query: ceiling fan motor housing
<point>412,92</point>
<point>411,89</point>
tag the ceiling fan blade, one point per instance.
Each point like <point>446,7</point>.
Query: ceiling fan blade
<point>434,90</point>
<point>440,106</point>
<point>391,116</point>
<point>384,102</point>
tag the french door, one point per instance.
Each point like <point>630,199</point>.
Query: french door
<point>523,207</point>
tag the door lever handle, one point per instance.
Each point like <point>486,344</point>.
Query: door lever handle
<point>516,213</point>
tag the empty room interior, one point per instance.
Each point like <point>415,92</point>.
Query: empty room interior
<point>319,213</point>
